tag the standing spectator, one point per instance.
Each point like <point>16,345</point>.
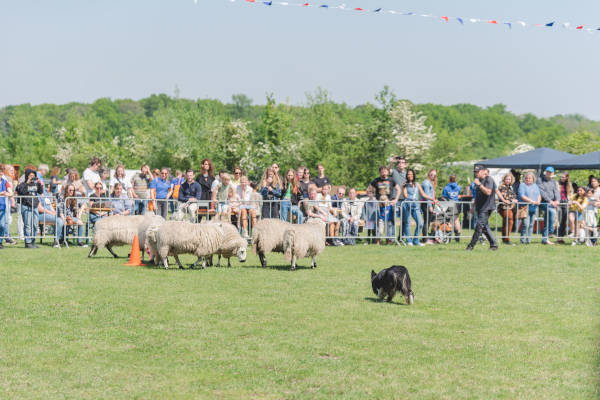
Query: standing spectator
<point>206,178</point>
<point>325,204</point>
<point>398,175</point>
<point>55,180</point>
<point>507,208</point>
<point>550,201</point>
<point>237,174</point>
<point>351,215</point>
<point>216,183</point>
<point>9,175</point>
<point>305,181</point>
<point>386,216</point>
<point>119,177</point>
<point>220,196</point>
<point>590,217</point>
<point>91,175</point>
<point>4,205</point>
<point>337,200</point>
<point>163,192</point>
<point>566,191</point>
<point>595,186</point>
<point>410,208</point>
<point>291,197</point>
<point>275,168</point>
<point>270,191</point>
<point>300,172</point>
<point>429,185</point>
<point>48,215</point>
<point>369,214</point>
<point>484,205</point>
<point>139,184</point>
<point>529,193</point>
<point>247,206</point>
<point>516,185</point>
<point>67,204</point>
<point>321,179</point>
<point>121,205</point>
<point>452,192</point>
<point>384,185</point>
<point>176,184</point>
<point>578,205</point>
<point>41,173</point>
<point>31,187</point>
<point>189,194</point>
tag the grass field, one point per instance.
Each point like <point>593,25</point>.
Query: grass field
<point>522,322</point>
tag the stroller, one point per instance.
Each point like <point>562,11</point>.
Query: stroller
<point>444,213</point>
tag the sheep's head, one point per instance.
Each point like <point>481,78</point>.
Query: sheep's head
<point>241,254</point>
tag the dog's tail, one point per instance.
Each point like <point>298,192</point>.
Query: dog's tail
<point>405,286</point>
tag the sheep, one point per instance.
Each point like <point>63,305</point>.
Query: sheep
<point>233,245</point>
<point>267,236</point>
<point>306,240</point>
<point>147,221</point>
<point>181,237</point>
<point>151,241</point>
<point>115,230</point>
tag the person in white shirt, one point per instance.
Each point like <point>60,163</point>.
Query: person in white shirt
<point>247,207</point>
<point>91,175</point>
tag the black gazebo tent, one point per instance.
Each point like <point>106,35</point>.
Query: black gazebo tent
<point>584,161</point>
<point>534,159</point>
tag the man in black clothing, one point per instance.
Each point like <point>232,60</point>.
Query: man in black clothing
<point>484,205</point>
<point>384,185</point>
<point>190,192</point>
<point>31,187</point>
<point>321,180</point>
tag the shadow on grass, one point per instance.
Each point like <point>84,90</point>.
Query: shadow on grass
<point>376,300</point>
<point>285,267</point>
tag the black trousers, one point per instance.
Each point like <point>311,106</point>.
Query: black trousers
<point>483,227</point>
<point>563,214</point>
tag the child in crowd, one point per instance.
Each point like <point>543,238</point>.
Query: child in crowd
<point>326,206</point>
<point>369,213</point>
<point>385,218</point>
<point>577,207</point>
<point>233,205</point>
<point>590,217</point>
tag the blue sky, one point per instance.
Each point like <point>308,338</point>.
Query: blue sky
<point>80,50</point>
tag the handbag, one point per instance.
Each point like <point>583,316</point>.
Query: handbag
<point>523,211</point>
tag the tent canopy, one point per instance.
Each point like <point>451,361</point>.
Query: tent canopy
<point>535,159</point>
<point>584,161</point>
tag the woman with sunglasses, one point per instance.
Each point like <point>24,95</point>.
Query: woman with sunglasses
<point>163,190</point>
<point>68,208</point>
<point>304,182</point>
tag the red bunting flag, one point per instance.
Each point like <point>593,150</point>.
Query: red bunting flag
<point>492,21</point>
<point>445,19</point>
<point>358,9</point>
<point>305,4</point>
<point>250,1</point>
<point>579,27</point>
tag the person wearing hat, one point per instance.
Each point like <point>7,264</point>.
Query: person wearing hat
<point>550,202</point>
<point>484,205</point>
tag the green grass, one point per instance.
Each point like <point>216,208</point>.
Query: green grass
<point>522,322</point>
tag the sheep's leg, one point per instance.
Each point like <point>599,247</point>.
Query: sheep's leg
<point>293,263</point>
<point>166,262</point>
<point>92,251</point>
<point>313,264</point>
<point>203,259</point>
<point>203,262</point>
<point>219,261</point>
<point>209,262</point>
<point>178,262</point>
<point>109,248</point>
<point>228,262</point>
<point>263,260</point>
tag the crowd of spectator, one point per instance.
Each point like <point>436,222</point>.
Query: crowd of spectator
<point>392,204</point>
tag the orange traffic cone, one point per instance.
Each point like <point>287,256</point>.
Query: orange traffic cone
<point>134,257</point>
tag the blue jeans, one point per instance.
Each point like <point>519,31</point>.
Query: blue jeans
<point>527,226</point>
<point>549,218</point>
<point>140,207</point>
<point>30,223</point>
<point>349,229</point>
<point>58,224</point>
<point>3,231</point>
<point>411,210</point>
<point>286,208</point>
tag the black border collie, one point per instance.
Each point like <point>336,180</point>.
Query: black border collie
<point>389,280</point>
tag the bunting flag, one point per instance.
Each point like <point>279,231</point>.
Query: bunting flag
<point>444,18</point>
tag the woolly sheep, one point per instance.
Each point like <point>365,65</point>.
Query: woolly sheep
<point>267,236</point>
<point>147,221</point>
<point>306,240</point>
<point>233,245</point>
<point>182,237</point>
<point>115,230</point>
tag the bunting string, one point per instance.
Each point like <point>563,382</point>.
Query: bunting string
<point>442,18</point>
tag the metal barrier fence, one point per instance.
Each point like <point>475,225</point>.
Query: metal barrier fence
<point>347,221</point>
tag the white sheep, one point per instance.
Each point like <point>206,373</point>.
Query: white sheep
<point>305,240</point>
<point>115,230</point>
<point>234,245</point>
<point>182,237</point>
<point>151,242</point>
<point>147,221</point>
<point>267,236</point>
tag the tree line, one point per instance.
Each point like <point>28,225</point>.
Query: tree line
<point>351,141</point>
